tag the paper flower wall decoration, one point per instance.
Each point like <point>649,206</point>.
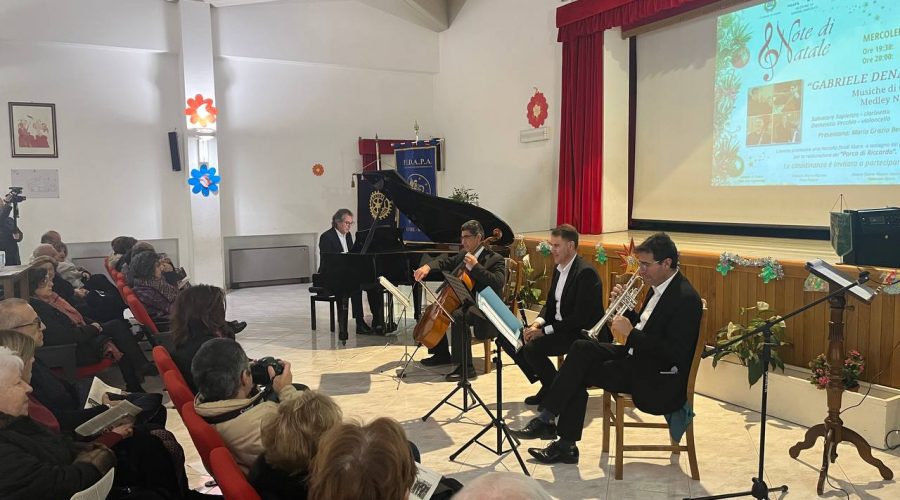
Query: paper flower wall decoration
<point>200,117</point>
<point>537,109</point>
<point>318,170</point>
<point>630,262</point>
<point>204,180</point>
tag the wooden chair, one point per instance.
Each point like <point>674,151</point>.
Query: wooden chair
<point>623,401</point>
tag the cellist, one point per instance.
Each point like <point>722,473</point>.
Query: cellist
<point>486,268</point>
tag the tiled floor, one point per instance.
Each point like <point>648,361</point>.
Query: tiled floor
<point>360,377</point>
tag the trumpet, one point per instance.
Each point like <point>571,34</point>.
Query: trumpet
<point>625,301</point>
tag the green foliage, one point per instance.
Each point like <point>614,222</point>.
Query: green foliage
<point>465,195</point>
<point>530,291</point>
<point>749,351</point>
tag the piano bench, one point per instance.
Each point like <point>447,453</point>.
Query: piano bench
<point>319,294</point>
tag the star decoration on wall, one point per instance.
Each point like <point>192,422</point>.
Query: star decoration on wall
<point>630,262</point>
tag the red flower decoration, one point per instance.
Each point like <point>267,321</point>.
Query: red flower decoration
<point>197,117</point>
<point>537,109</point>
<point>318,169</point>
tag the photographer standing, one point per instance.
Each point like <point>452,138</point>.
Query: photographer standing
<point>228,397</point>
<point>10,236</point>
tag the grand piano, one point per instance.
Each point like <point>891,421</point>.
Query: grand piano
<point>379,250</point>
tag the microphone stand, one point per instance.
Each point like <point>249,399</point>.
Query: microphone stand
<point>759,489</point>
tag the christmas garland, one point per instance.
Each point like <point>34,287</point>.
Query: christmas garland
<point>771,269</point>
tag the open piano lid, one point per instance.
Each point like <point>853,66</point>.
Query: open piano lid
<point>439,218</point>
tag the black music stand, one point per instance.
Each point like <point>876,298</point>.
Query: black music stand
<point>466,302</point>
<point>497,420</point>
<point>759,488</point>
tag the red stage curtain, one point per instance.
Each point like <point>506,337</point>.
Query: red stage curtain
<point>581,135</point>
<point>367,150</point>
<point>590,16</point>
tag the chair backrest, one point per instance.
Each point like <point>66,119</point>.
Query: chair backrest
<point>100,489</point>
<point>178,388</point>
<point>232,483</point>
<point>513,284</point>
<point>140,312</point>
<point>204,436</point>
<point>695,363</point>
<point>164,361</point>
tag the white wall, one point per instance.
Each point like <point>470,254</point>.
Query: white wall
<point>492,56</point>
<point>116,95</point>
<point>297,84</point>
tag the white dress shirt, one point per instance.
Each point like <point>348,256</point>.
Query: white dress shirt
<point>560,286</point>
<point>654,299</point>
<point>477,254</point>
<point>343,239</point>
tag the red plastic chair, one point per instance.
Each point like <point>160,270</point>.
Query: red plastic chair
<point>140,312</point>
<point>204,436</point>
<point>232,483</point>
<point>178,389</point>
<point>163,360</point>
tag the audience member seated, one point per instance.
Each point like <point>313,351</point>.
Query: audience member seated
<point>363,461</point>
<point>151,289</point>
<point>51,237</point>
<point>120,246</point>
<point>503,486</point>
<point>36,462</point>
<point>198,315</point>
<point>291,440</point>
<point>65,325</point>
<point>125,261</point>
<point>230,401</point>
<point>104,304</point>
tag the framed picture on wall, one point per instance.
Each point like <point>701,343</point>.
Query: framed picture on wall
<point>32,130</point>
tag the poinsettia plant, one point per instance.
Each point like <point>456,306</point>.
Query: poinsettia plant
<point>749,350</point>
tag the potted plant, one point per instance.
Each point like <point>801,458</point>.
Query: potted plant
<point>749,350</point>
<point>464,195</point>
<point>853,367</point>
<point>530,292</point>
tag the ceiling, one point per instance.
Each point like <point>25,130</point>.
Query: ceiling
<point>435,15</point>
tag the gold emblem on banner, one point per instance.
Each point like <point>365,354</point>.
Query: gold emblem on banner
<point>379,205</point>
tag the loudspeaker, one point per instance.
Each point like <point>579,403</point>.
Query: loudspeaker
<point>173,150</point>
<point>876,237</point>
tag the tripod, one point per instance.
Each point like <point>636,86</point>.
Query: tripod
<point>760,489</point>
<point>466,302</point>
<point>497,420</point>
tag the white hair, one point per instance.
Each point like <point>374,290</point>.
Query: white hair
<point>503,486</point>
<point>10,362</point>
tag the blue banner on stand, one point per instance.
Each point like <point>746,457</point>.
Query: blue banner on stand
<point>417,163</point>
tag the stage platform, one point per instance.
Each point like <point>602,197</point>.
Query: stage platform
<point>873,329</point>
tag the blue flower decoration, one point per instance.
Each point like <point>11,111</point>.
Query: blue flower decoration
<point>204,180</point>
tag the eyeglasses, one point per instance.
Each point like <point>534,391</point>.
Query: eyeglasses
<point>646,265</point>
<point>37,322</point>
<point>347,222</point>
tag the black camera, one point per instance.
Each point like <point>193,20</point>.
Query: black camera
<point>260,370</point>
<point>15,195</point>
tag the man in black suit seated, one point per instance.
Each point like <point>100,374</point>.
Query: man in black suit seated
<point>338,240</point>
<point>574,303</point>
<point>651,359</point>
<point>487,269</point>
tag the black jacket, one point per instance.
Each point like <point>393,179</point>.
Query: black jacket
<point>38,464</point>
<point>582,301</point>
<point>490,272</point>
<point>61,331</point>
<point>329,242</point>
<point>668,339</point>
<point>276,484</point>
<point>184,355</point>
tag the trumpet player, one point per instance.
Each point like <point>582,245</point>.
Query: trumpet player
<point>650,361</point>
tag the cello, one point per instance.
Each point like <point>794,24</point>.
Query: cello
<point>435,319</point>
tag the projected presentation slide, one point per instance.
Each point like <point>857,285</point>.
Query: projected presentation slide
<point>807,92</point>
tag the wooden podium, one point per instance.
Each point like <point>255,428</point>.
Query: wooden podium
<point>833,429</point>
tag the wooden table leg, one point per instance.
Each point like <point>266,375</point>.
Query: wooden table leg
<point>812,434</point>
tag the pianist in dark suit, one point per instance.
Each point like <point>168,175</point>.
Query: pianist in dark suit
<point>651,359</point>
<point>487,269</point>
<point>338,240</point>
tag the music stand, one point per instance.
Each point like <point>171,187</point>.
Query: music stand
<point>833,430</point>
<point>401,299</point>
<point>466,302</point>
<point>759,487</point>
<point>510,329</point>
